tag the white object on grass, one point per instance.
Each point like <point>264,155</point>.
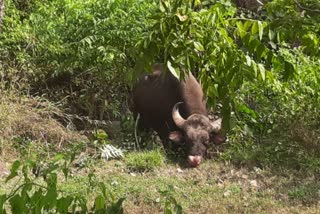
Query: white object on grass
<point>111,152</point>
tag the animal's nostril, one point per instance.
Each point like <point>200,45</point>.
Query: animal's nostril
<point>194,160</point>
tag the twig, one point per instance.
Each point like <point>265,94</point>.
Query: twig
<point>305,8</point>
<point>259,2</point>
<point>135,133</point>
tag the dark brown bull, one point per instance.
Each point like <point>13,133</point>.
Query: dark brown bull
<point>163,102</point>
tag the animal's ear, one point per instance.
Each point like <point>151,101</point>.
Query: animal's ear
<point>217,138</point>
<point>176,136</point>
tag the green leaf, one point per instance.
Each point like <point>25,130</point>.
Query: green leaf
<point>288,70</point>
<point>168,207</point>
<point>260,26</point>
<point>99,203</point>
<point>198,46</point>
<point>173,70</point>
<point>271,35</point>
<point>58,157</point>
<point>37,200</point>
<point>63,204</point>
<point>101,135</point>
<point>13,171</point>
<point>273,45</point>
<point>262,71</point>
<point>163,6</point>
<point>248,60</point>
<point>254,28</point>
<point>65,171</point>
<point>50,199</point>
<point>116,208</point>
<point>178,209</point>
<point>17,204</point>
<point>245,109</point>
<point>3,199</point>
<point>241,30</point>
<point>103,189</point>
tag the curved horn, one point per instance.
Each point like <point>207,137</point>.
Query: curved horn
<point>216,125</point>
<point>178,120</point>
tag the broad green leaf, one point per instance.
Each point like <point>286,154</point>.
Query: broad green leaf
<point>260,51</point>
<point>13,172</point>
<point>240,27</point>
<point>262,71</point>
<point>37,199</point>
<point>63,204</point>
<point>50,199</point>
<point>18,205</point>
<point>255,28</point>
<point>260,26</point>
<point>173,70</point>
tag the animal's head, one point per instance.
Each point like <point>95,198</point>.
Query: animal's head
<point>197,131</point>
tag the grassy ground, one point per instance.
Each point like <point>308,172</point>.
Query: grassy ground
<point>217,186</point>
<point>214,187</point>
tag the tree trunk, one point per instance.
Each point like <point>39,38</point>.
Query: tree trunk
<point>1,13</point>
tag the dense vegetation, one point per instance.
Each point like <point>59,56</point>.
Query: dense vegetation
<point>67,67</point>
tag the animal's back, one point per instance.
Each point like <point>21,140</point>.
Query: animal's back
<point>154,96</point>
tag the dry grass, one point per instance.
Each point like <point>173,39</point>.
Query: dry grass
<point>30,118</point>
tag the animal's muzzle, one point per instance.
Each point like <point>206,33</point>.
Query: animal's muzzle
<point>194,161</point>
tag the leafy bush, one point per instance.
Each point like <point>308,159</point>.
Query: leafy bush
<point>80,52</point>
<point>144,161</point>
<point>287,135</point>
<point>39,193</point>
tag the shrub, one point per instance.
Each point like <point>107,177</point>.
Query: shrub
<point>280,118</point>
<point>40,193</point>
<point>80,52</point>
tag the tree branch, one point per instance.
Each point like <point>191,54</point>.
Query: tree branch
<point>305,8</point>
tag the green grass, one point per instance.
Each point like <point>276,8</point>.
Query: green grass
<point>216,186</point>
<point>144,161</point>
<point>246,178</point>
